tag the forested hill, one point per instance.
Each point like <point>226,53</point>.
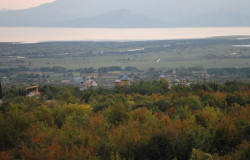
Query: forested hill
<point>144,121</point>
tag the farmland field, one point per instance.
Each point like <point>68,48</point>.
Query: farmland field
<point>207,53</point>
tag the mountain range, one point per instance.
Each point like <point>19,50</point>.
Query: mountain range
<point>131,14</point>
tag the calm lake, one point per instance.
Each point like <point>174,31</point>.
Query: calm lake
<point>32,35</point>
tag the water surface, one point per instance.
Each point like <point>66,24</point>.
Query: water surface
<point>30,34</point>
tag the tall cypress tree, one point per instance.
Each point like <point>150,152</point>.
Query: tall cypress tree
<point>1,93</point>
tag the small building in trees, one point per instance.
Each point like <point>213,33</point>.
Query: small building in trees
<point>183,82</point>
<point>4,80</point>
<point>176,82</point>
<point>117,82</point>
<point>125,81</point>
<point>33,93</point>
<point>161,77</point>
<point>89,83</point>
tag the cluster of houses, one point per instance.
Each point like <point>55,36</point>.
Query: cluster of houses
<point>89,83</point>
<point>125,81</point>
<point>173,81</point>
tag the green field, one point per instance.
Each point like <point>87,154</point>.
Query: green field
<point>207,53</point>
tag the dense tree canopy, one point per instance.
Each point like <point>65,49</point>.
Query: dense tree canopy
<point>147,120</point>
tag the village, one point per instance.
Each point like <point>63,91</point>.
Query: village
<point>126,81</point>
<point>85,81</point>
<point>108,80</point>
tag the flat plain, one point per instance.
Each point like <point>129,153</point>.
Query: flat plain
<point>207,53</point>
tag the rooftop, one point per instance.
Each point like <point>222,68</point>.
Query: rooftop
<point>162,76</point>
<point>125,78</point>
<point>116,81</point>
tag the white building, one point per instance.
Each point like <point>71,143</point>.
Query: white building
<point>89,83</point>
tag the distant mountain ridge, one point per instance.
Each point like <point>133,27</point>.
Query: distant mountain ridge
<point>131,14</point>
<point>114,19</point>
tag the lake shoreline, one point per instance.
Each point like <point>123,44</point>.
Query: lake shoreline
<point>38,34</point>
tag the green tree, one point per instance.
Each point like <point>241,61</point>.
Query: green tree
<point>198,154</point>
<point>117,114</point>
<point>73,112</point>
<point>12,128</point>
<point>160,147</point>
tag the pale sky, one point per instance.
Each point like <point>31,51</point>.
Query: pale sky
<point>21,4</point>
